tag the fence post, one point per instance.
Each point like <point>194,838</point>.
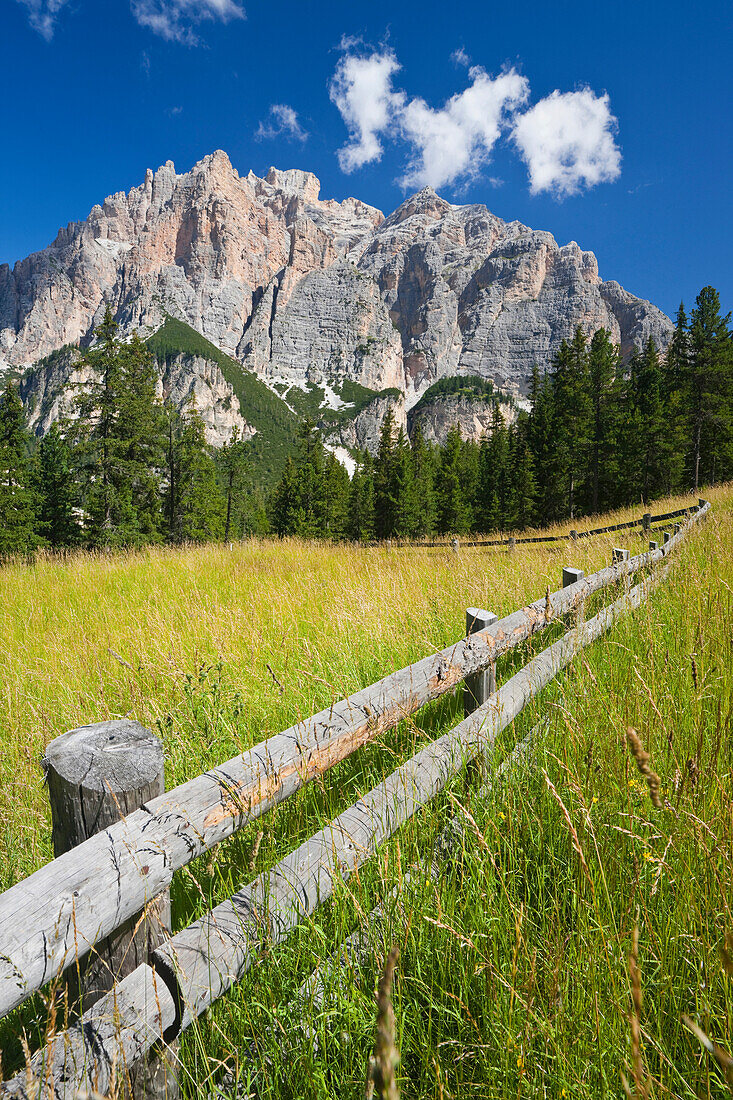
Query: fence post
<point>570,576</point>
<point>96,775</point>
<point>646,520</point>
<point>653,545</point>
<point>512,543</point>
<point>619,553</point>
<point>667,536</point>
<point>479,685</point>
<point>454,545</point>
<point>700,503</point>
<point>574,536</point>
<point>677,528</point>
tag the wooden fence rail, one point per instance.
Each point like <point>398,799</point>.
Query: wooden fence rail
<point>644,521</point>
<point>47,920</point>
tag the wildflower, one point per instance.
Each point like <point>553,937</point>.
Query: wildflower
<point>502,816</point>
<point>520,1063</point>
<point>649,856</point>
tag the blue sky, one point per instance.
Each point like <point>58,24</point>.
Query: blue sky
<point>96,91</point>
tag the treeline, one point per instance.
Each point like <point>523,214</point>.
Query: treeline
<point>600,435</point>
<point>130,470</point>
<point>125,470</point>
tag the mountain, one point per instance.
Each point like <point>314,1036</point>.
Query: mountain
<point>310,295</point>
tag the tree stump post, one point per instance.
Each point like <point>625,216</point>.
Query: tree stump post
<point>570,575</point>
<point>512,543</point>
<point>619,553</point>
<point>646,520</point>
<point>653,545</point>
<point>667,536</point>
<point>479,685</point>
<point>97,775</point>
<point>454,545</point>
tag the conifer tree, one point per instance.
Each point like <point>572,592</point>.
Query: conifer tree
<point>571,399</point>
<point>709,390</point>
<point>195,506</point>
<point>17,497</point>
<point>57,491</point>
<point>402,489</point>
<point>360,520</point>
<point>335,498</point>
<point>603,366</point>
<point>454,514</point>
<point>522,497</point>
<point>385,512</point>
<point>422,479</point>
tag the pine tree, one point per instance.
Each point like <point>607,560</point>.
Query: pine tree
<point>335,498</point>
<point>385,512</point>
<point>17,497</point>
<point>655,453</point>
<point>572,418</point>
<point>454,514</point>
<point>402,489</point>
<point>120,437</point>
<point>541,442</point>
<point>194,504</point>
<point>709,390</point>
<point>232,463</point>
<point>522,497</point>
<point>603,368</point>
<point>360,521</point>
<point>423,476</point>
<point>57,491</point>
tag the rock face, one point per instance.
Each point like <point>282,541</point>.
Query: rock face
<point>362,432</point>
<point>49,393</point>
<point>296,287</point>
<point>473,415</point>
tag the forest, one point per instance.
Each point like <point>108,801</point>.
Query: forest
<point>130,470</point>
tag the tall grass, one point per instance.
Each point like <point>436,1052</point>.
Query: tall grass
<point>513,977</point>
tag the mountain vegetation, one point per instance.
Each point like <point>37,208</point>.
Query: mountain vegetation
<point>129,469</point>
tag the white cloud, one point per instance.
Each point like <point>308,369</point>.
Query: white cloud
<point>42,15</point>
<point>456,141</point>
<point>174,19</point>
<point>567,141</point>
<point>283,120</point>
<point>362,90</point>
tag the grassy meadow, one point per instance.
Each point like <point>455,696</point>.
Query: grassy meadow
<point>514,976</point>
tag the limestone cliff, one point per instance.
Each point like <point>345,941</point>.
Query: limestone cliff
<point>302,289</point>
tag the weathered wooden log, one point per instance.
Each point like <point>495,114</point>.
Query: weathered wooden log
<point>97,775</point>
<point>478,686</point>
<point>85,894</point>
<point>97,1054</point>
<point>213,953</point>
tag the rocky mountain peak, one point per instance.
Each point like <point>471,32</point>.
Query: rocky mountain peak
<point>304,290</point>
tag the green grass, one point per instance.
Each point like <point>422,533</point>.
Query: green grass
<point>264,410</point>
<point>513,976</point>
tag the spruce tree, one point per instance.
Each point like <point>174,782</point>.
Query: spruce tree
<point>402,489</point>
<point>17,497</point>
<point>360,519</point>
<point>194,503</point>
<point>603,368</point>
<point>385,514</point>
<point>423,475</point>
<point>454,513</point>
<point>709,391</point>
<point>58,495</point>
<point>572,418</point>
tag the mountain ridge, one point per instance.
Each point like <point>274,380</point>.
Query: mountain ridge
<point>303,290</point>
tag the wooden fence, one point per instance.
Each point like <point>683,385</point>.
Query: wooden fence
<point>646,522</point>
<point>99,911</point>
